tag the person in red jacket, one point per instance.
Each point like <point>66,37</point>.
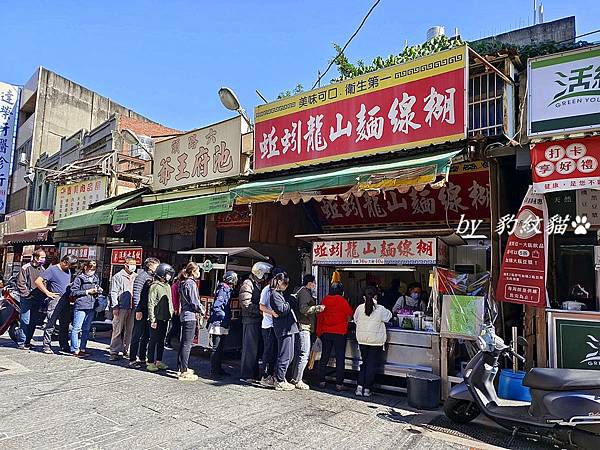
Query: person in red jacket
<point>332,327</point>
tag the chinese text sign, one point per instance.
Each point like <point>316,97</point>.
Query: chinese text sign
<point>376,251</point>
<point>202,155</point>
<point>523,271</point>
<point>9,110</point>
<point>75,197</point>
<point>410,105</point>
<point>566,165</point>
<point>467,194</point>
<point>118,255</point>
<point>564,92</point>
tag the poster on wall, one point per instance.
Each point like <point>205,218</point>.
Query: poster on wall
<point>9,110</point>
<point>564,92</point>
<point>566,165</point>
<point>75,197</point>
<point>523,272</point>
<point>410,105</point>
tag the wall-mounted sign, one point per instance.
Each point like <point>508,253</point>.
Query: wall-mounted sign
<point>574,340</point>
<point>75,197</point>
<point>566,165</point>
<point>81,252</point>
<point>119,228</point>
<point>206,154</point>
<point>9,110</point>
<point>239,217</point>
<point>564,92</point>
<point>467,194</point>
<point>523,271</point>
<point>410,105</point>
<point>376,251</point>
<point>118,255</point>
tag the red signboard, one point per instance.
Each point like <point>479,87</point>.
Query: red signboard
<point>566,165</point>
<point>523,271</point>
<point>418,103</point>
<point>239,217</point>
<point>467,193</point>
<point>118,255</point>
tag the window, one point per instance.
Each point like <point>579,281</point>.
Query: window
<point>139,151</point>
<point>486,98</point>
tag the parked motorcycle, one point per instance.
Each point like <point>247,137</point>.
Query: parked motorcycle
<point>10,310</point>
<point>565,403</point>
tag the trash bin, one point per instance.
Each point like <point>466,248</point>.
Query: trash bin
<point>423,390</point>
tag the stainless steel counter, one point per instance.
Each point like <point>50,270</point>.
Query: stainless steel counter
<point>405,350</point>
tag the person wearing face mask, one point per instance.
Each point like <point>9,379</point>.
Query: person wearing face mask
<point>413,301</point>
<point>140,336</point>
<point>189,303</point>
<point>31,298</point>
<point>85,289</point>
<point>121,302</point>
<point>160,311</point>
<point>307,315</point>
<point>54,283</point>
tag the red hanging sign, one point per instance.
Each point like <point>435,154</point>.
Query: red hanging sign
<point>566,165</point>
<point>523,271</point>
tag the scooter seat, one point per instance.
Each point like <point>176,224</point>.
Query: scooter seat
<point>562,379</point>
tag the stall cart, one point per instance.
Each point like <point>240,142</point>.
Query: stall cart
<point>214,262</point>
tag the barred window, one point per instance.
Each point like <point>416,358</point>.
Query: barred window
<point>486,99</point>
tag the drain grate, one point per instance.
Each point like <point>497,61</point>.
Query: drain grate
<point>484,434</point>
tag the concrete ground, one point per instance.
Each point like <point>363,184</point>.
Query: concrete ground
<point>60,401</point>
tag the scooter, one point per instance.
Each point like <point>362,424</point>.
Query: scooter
<point>565,403</point>
<point>10,310</point>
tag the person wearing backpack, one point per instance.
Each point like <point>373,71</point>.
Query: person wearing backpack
<point>371,334</point>
<point>85,289</point>
<point>160,310</point>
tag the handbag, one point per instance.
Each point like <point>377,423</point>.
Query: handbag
<point>101,303</point>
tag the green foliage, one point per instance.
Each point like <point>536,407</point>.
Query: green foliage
<point>525,52</point>
<point>348,70</point>
<point>289,93</point>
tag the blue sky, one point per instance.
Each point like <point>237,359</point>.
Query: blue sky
<point>167,59</point>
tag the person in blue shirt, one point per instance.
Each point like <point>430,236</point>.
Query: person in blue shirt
<point>218,323</point>
<point>54,283</point>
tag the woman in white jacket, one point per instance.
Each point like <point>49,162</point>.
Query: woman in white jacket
<point>370,319</point>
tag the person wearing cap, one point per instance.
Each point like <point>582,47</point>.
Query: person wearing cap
<point>219,321</point>
<point>160,311</point>
<point>249,297</point>
<point>54,283</point>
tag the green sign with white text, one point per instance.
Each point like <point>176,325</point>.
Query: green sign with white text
<point>577,344</point>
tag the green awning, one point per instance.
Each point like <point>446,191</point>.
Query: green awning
<point>100,215</point>
<point>399,174</point>
<point>208,204</point>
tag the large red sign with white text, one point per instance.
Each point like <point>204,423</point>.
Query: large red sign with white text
<point>523,271</point>
<point>405,106</point>
<point>118,255</point>
<point>466,195</point>
<point>566,165</point>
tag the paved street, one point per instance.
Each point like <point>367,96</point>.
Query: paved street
<point>63,402</point>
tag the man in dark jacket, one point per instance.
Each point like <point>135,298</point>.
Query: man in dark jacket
<point>285,327</point>
<point>249,297</point>
<point>140,335</point>
<point>31,298</point>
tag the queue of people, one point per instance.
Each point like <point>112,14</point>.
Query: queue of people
<point>279,326</point>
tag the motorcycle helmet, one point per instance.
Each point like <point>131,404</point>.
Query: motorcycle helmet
<point>230,277</point>
<point>164,272</point>
<point>261,270</point>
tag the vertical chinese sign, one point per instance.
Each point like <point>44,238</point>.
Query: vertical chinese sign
<point>9,110</point>
<point>523,271</point>
<point>410,105</point>
<point>206,154</point>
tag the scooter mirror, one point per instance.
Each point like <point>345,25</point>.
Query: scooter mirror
<point>522,342</point>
